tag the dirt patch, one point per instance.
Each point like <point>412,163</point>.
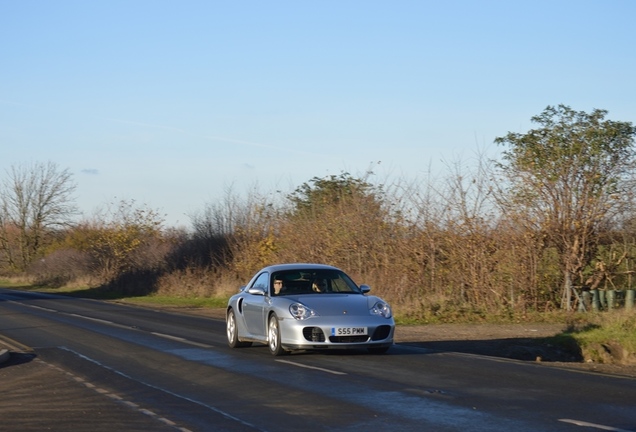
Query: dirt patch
<point>516,341</point>
<point>527,342</point>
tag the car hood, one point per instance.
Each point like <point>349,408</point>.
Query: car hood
<point>336,304</point>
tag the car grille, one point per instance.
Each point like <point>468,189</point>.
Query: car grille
<point>314,334</point>
<point>382,332</point>
<point>348,339</point>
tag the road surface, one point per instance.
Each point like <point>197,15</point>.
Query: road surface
<point>116,367</point>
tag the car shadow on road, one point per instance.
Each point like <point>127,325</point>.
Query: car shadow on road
<point>527,349</point>
<point>17,358</point>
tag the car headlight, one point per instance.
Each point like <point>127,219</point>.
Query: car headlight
<point>301,312</point>
<point>381,309</point>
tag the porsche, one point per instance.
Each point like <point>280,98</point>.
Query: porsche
<point>291,307</point>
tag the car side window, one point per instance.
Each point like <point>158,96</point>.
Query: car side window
<point>262,282</point>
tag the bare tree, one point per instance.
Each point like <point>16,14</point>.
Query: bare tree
<point>471,220</point>
<point>35,200</point>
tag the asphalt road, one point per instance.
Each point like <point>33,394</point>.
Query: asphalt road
<point>88,365</point>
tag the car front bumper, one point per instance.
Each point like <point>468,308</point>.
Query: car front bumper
<point>319,333</point>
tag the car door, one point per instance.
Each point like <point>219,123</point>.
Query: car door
<point>254,306</point>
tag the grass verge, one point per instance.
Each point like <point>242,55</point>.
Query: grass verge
<point>607,337</point>
<point>109,294</point>
<point>215,302</point>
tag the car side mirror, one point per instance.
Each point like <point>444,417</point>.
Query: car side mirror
<point>365,288</point>
<point>256,291</point>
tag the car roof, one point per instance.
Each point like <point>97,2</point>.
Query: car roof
<point>298,266</point>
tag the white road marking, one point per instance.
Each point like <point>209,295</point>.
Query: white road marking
<point>312,367</point>
<point>593,425</point>
<point>114,324</point>
<point>167,336</point>
<point>101,321</point>
<point>183,340</point>
<point>132,404</point>
<point>118,398</point>
<point>93,319</point>
<point>35,307</point>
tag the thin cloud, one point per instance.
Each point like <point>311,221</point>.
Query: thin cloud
<point>6,102</point>
<point>214,138</point>
<point>184,132</point>
<point>148,125</point>
<point>90,171</point>
<point>261,145</point>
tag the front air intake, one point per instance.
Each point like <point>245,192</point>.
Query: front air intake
<point>314,334</point>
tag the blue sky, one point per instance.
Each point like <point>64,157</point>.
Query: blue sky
<point>170,103</point>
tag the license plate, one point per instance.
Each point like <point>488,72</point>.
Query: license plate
<point>348,331</point>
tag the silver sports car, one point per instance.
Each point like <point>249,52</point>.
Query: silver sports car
<point>308,307</point>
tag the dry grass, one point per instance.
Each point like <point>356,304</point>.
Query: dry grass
<point>196,283</point>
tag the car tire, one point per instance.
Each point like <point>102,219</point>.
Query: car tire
<point>378,350</point>
<point>231,328</point>
<point>273,337</point>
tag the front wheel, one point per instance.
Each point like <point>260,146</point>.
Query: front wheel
<point>273,337</point>
<point>232,331</point>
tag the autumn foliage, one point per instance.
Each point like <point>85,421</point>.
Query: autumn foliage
<point>501,237</point>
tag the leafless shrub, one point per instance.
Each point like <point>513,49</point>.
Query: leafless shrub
<point>60,267</point>
<point>197,283</point>
<point>436,248</point>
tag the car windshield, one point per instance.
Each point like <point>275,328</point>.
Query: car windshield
<point>290,282</point>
